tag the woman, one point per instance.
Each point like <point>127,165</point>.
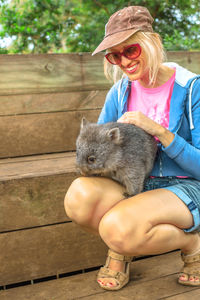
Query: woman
<point>164,100</point>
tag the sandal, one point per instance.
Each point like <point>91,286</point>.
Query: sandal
<point>191,268</point>
<point>121,278</point>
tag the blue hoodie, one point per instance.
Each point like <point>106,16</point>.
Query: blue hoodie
<point>182,156</point>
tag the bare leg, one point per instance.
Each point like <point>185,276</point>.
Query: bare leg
<point>149,223</point>
<point>89,198</point>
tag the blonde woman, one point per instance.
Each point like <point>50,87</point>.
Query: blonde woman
<point>164,100</point>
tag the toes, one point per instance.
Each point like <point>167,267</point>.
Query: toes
<point>191,278</point>
<point>183,277</point>
<point>106,283</point>
<point>194,279</point>
<point>110,284</point>
<point>99,281</point>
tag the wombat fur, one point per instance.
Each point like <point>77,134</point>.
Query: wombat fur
<point>119,151</point>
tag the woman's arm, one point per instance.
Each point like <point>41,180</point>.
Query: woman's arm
<point>109,112</point>
<point>139,119</point>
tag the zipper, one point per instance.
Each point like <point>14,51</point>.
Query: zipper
<point>160,161</point>
<point>126,90</point>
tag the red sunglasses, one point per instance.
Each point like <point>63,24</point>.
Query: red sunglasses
<point>131,52</point>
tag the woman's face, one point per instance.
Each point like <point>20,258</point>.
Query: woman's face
<point>135,69</point>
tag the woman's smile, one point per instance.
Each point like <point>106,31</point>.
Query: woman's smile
<point>131,69</point>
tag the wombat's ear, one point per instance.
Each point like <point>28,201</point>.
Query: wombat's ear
<point>84,122</point>
<point>114,135</point>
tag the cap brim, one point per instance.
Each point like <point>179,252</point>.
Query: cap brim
<point>114,39</point>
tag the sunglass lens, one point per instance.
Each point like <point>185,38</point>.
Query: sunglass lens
<point>132,52</point>
<point>114,58</point>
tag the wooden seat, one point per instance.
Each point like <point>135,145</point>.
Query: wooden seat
<point>38,239</point>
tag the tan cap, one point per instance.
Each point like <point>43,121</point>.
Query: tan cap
<point>123,23</point>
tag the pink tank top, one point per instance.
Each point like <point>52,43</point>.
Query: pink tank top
<point>153,102</point>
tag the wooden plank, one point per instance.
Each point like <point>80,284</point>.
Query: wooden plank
<point>187,59</point>
<point>49,73</point>
<point>34,103</point>
<point>32,190</point>
<point>33,202</point>
<point>40,165</point>
<point>193,295</point>
<point>55,102</point>
<point>46,251</point>
<point>159,279</point>
<point>157,289</point>
<point>41,133</point>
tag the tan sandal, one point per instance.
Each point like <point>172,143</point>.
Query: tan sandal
<point>122,278</point>
<point>191,268</point>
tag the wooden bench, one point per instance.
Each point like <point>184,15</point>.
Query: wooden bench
<point>42,101</point>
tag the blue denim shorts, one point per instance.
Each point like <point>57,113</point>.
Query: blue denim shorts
<point>187,189</point>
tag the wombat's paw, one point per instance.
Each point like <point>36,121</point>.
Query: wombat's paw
<point>126,195</point>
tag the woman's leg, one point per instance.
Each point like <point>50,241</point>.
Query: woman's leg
<point>89,198</point>
<point>148,223</point>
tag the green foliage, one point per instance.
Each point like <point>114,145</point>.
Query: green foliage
<point>36,25</point>
<point>41,26</point>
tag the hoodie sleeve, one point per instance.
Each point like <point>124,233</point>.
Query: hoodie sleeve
<point>109,112</point>
<point>187,155</point>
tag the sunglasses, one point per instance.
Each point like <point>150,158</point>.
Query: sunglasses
<point>131,52</point>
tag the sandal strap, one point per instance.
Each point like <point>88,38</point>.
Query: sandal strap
<point>105,272</point>
<point>118,256</point>
<point>190,259</point>
<point>191,270</point>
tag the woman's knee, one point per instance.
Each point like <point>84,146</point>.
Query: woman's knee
<point>80,200</point>
<point>123,235</point>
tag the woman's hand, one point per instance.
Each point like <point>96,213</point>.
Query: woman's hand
<point>139,119</point>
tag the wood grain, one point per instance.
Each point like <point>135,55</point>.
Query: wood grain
<point>193,295</point>
<point>158,289</point>
<point>45,251</point>
<point>186,59</point>
<point>37,166</point>
<point>41,133</point>
<point>32,190</point>
<point>54,102</point>
<point>159,282</point>
<point>49,73</point>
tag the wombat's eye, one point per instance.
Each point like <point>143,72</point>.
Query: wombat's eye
<point>91,159</point>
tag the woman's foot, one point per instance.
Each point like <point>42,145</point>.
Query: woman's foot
<point>115,274</point>
<point>191,271</point>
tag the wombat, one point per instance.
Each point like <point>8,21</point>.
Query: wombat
<point>119,151</point>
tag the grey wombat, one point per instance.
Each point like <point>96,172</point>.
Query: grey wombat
<point>120,151</point>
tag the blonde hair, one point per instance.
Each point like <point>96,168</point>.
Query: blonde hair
<point>151,45</point>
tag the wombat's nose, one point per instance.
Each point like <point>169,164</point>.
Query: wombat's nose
<point>91,159</point>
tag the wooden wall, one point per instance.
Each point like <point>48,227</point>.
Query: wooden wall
<point>43,97</point>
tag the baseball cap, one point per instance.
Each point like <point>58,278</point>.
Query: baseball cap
<point>123,23</point>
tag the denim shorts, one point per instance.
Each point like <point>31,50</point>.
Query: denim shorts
<point>187,189</point>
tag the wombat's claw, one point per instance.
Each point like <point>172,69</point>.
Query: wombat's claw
<point>126,195</point>
<point>121,278</point>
